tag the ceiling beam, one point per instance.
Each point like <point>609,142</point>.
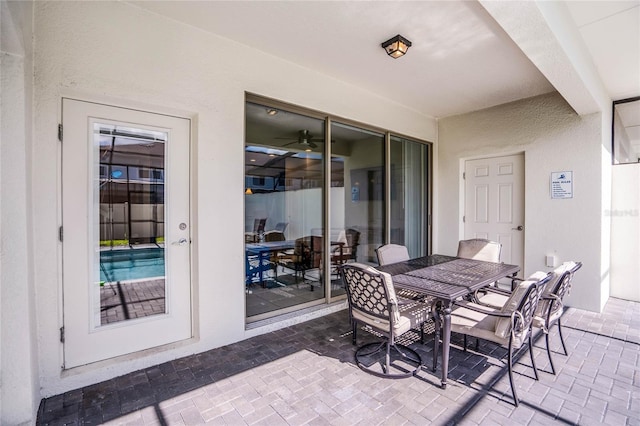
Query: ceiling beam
<point>547,35</point>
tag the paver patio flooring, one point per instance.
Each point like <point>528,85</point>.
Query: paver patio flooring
<point>305,374</point>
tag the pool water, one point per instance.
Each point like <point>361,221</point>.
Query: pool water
<point>131,264</point>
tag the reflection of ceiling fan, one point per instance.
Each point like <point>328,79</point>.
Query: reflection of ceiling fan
<point>305,139</point>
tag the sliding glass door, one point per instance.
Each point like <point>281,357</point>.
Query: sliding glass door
<point>305,216</point>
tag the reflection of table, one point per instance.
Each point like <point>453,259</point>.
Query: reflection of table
<point>257,257</point>
<point>446,279</point>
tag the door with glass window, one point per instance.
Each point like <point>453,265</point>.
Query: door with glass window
<point>125,231</point>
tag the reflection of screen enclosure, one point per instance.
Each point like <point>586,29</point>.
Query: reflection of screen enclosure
<point>131,221</point>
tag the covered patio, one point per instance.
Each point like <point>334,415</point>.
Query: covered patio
<point>305,374</point>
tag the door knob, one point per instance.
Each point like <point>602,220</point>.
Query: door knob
<point>518,228</point>
<point>180,242</point>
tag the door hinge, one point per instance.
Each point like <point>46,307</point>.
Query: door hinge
<point>60,234</point>
<point>62,334</point>
<point>464,219</point>
<point>464,175</point>
<point>60,132</point>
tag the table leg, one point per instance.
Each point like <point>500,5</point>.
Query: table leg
<point>446,343</point>
<point>261,267</point>
<point>436,338</point>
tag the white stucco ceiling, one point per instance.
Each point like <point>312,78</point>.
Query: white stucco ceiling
<point>461,60</point>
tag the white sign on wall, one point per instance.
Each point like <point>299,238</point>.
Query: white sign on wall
<point>561,184</point>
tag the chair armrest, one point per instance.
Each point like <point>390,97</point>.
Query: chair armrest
<point>482,310</point>
<point>497,291</point>
<point>489,289</point>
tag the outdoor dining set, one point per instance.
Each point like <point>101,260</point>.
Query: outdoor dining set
<point>463,294</point>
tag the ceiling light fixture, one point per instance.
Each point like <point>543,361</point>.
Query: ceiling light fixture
<point>271,111</point>
<point>248,191</point>
<point>396,46</point>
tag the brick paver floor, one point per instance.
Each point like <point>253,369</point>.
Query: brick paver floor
<point>305,374</point>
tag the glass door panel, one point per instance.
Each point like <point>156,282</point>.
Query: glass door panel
<point>130,193</point>
<point>409,195</point>
<point>357,215</point>
<point>284,184</point>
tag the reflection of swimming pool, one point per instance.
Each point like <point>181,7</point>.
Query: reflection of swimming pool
<point>130,264</point>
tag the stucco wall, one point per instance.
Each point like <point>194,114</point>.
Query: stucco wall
<point>116,53</point>
<point>553,138</point>
<point>19,391</point>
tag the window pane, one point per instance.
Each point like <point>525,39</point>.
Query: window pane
<point>409,195</point>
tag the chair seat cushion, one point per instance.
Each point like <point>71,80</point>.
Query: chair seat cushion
<point>412,313</point>
<point>503,325</point>
<point>540,321</point>
<point>472,323</point>
<point>495,300</point>
<point>482,326</point>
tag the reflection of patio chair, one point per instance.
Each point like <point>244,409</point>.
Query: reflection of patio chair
<point>281,226</point>
<point>373,303</point>
<point>347,251</point>
<point>306,255</point>
<point>509,326</point>
<point>258,228</point>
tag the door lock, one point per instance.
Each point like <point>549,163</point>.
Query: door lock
<point>518,228</point>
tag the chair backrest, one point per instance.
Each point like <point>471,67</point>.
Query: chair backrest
<point>523,302</point>
<point>302,252</point>
<point>258,225</point>
<point>391,253</point>
<point>558,286</point>
<point>317,247</point>
<point>372,298</point>
<point>353,240</point>
<point>281,226</point>
<point>479,249</point>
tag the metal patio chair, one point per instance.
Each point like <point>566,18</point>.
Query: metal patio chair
<point>509,326</point>
<point>550,308</point>
<point>374,304</point>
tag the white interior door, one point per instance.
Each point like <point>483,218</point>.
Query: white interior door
<point>126,231</point>
<point>494,204</point>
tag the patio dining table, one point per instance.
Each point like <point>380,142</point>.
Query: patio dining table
<point>445,279</point>
<point>262,251</point>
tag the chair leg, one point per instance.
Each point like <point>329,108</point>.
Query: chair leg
<point>464,344</point>
<point>553,369</point>
<point>387,359</point>
<point>533,361</point>
<point>513,388</point>
<point>354,329</point>
<point>562,338</point>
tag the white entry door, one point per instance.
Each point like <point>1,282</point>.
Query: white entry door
<point>125,231</point>
<point>494,204</point>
